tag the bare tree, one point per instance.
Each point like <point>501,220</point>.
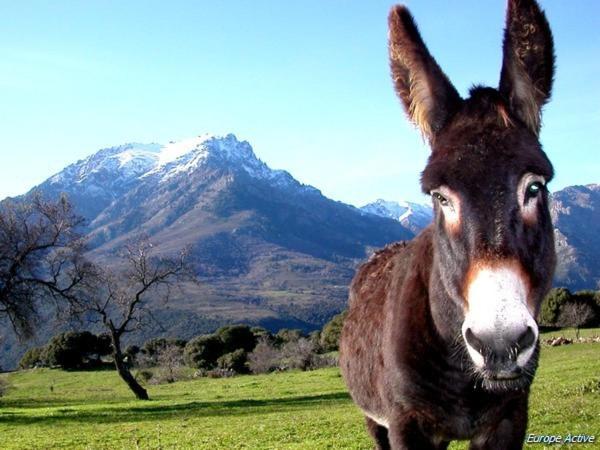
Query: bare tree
<point>576,314</point>
<point>119,298</point>
<point>40,259</point>
<point>265,357</point>
<point>170,361</point>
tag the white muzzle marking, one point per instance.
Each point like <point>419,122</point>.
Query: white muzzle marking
<point>497,306</point>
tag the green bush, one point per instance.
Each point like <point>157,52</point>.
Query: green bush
<point>76,350</point>
<point>34,357</point>
<point>235,337</point>
<point>203,351</point>
<point>285,335</point>
<point>131,353</point>
<point>102,345</point>
<point>260,333</point>
<point>551,305</point>
<point>235,361</point>
<point>330,336</point>
<point>144,375</point>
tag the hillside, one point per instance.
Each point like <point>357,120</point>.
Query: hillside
<point>576,216</point>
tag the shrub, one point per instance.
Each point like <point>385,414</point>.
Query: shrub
<point>260,332</point>
<point>202,352</point>
<point>103,345</point>
<point>76,350</point>
<point>286,335</point>
<point>315,338</point>
<point>235,361</point>
<point>237,337</point>
<point>330,336</point>
<point>34,357</point>
<point>144,375</point>
<point>551,305</point>
<point>131,353</point>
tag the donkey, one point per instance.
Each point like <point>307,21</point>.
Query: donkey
<point>441,341</point>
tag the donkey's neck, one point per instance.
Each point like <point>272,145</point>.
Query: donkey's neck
<point>446,313</point>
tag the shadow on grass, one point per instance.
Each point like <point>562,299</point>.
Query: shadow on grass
<point>55,402</point>
<point>156,411</point>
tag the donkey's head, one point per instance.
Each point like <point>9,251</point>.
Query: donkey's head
<point>487,175</point>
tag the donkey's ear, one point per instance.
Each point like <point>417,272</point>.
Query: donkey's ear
<point>426,93</point>
<point>528,64</point>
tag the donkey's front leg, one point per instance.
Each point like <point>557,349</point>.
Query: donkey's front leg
<point>408,432</point>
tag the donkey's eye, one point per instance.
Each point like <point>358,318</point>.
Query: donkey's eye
<point>440,198</point>
<point>534,189</point>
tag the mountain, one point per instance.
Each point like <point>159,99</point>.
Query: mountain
<point>266,247</point>
<point>576,215</point>
<point>413,216</point>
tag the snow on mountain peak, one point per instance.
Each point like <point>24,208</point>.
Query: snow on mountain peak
<point>126,163</point>
<point>174,150</point>
<point>188,154</point>
<point>414,216</point>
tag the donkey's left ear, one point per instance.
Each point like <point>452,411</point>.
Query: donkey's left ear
<point>426,93</point>
<point>528,64</point>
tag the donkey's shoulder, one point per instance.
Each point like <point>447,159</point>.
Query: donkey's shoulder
<point>393,260</point>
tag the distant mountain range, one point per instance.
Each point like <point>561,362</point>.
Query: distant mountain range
<point>413,216</point>
<point>268,249</point>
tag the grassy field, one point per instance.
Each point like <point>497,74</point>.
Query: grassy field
<point>570,333</point>
<point>297,410</point>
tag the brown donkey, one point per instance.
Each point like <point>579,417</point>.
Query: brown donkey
<point>441,341</point>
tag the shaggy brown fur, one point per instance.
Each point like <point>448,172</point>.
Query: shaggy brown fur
<point>402,353</point>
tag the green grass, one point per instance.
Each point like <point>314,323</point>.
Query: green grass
<point>569,333</point>
<point>297,410</point>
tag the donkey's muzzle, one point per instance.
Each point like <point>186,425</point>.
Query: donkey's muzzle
<point>500,353</point>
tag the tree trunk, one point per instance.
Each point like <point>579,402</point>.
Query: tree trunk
<point>123,370</point>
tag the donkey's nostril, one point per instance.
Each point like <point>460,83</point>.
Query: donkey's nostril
<point>473,340</point>
<point>527,339</point>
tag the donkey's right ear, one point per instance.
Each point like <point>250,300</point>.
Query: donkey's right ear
<point>426,93</point>
<point>528,64</point>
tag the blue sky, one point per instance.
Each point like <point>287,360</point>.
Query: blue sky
<point>306,83</point>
